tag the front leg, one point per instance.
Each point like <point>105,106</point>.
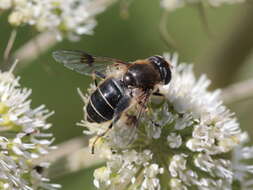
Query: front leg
<point>157,93</point>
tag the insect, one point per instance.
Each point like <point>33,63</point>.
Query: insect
<point>133,83</point>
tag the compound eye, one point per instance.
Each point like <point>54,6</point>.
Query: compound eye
<point>158,60</point>
<point>163,67</point>
<point>129,80</point>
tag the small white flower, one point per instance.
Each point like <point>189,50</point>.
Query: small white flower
<point>243,171</point>
<point>177,165</point>
<point>176,184</point>
<point>174,140</point>
<point>171,5</point>
<point>23,138</point>
<point>185,143</point>
<point>68,17</point>
<point>102,174</point>
<point>5,4</point>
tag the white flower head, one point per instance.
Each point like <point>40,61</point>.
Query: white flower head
<point>184,140</point>
<point>171,5</point>
<point>68,17</point>
<point>23,138</point>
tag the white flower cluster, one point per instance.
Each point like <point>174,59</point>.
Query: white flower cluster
<point>70,17</point>
<point>22,138</point>
<point>243,155</point>
<point>171,5</point>
<point>185,141</point>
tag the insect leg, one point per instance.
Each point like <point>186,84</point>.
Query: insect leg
<point>133,121</point>
<point>96,74</point>
<point>141,110</point>
<point>100,75</point>
<point>120,108</point>
<point>157,94</point>
<point>94,79</point>
<point>155,124</point>
<point>98,137</point>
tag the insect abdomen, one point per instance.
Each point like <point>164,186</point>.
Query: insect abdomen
<point>103,101</point>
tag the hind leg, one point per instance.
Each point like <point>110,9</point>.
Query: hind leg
<point>96,74</point>
<point>120,108</point>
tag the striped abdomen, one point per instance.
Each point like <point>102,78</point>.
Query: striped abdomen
<point>104,101</point>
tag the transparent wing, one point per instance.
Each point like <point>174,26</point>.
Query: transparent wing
<point>135,120</point>
<point>83,62</point>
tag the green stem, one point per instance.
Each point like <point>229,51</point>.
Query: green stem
<point>165,36</point>
<point>139,177</point>
<point>204,18</point>
<point>162,158</point>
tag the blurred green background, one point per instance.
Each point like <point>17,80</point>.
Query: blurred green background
<point>128,39</point>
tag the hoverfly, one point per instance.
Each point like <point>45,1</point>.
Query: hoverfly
<point>134,82</point>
